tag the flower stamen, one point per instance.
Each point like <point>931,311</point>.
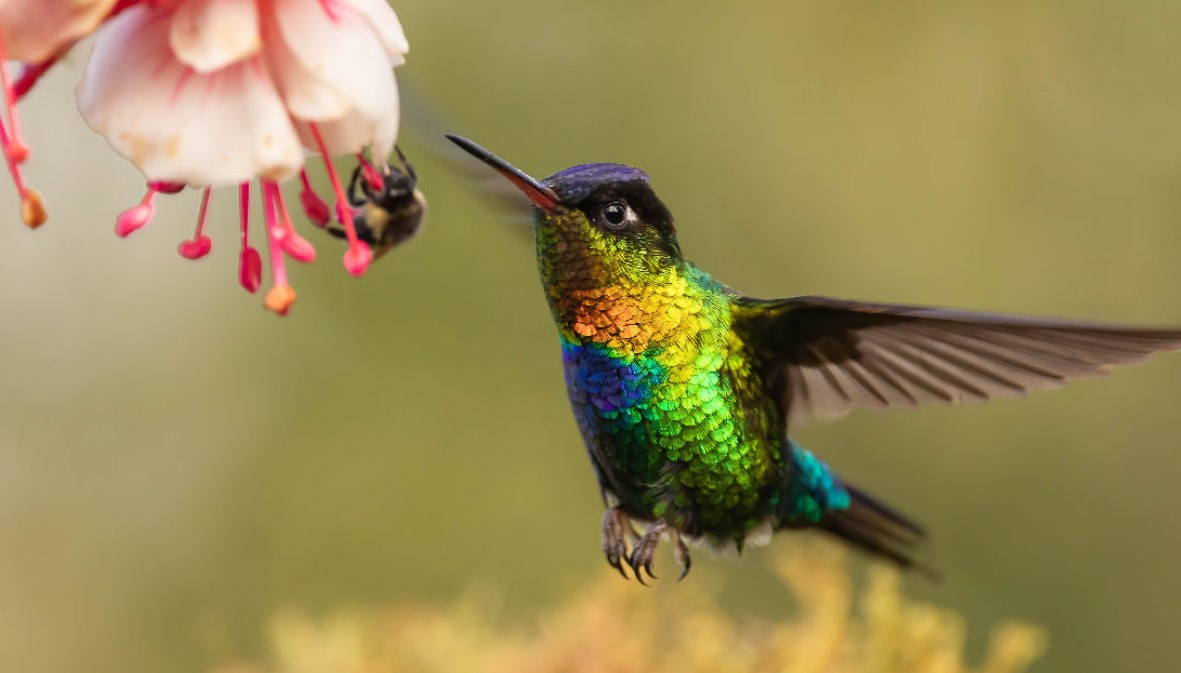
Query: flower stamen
<point>16,151</point>
<point>33,208</point>
<point>358,256</point>
<point>200,245</point>
<point>137,216</point>
<point>313,206</point>
<point>249,261</point>
<point>372,175</point>
<point>15,148</point>
<point>280,297</point>
<point>296,246</point>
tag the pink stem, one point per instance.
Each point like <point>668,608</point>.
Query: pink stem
<point>372,175</point>
<point>201,214</point>
<point>273,226</point>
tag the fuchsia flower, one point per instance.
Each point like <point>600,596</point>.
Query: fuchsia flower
<point>37,32</point>
<point>203,93</point>
<point>206,93</point>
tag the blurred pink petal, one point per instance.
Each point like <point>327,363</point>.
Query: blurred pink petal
<point>208,35</point>
<point>179,125</point>
<point>352,62</point>
<point>37,30</point>
<point>218,92</point>
<point>385,24</point>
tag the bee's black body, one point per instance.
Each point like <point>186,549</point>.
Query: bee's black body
<point>385,218</point>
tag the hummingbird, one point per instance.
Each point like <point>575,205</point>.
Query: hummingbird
<point>684,389</point>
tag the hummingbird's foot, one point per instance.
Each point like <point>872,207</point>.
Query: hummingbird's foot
<point>681,553</point>
<point>645,549</point>
<point>616,529</point>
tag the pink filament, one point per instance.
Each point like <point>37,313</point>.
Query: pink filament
<point>137,216</point>
<point>201,214</point>
<point>200,245</point>
<point>15,151</point>
<point>280,296</point>
<point>372,175</point>
<point>244,210</point>
<point>313,206</point>
<point>296,246</point>
<point>14,146</point>
<point>274,228</point>
<point>249,261</point>
<point>11,157</point>
<point>358,256</point>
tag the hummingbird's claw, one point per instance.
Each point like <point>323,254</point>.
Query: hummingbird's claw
<point>617,563</point>
<point>681,553</point>
<point>618,528</point>
<point>641,566</point>
<point>645,550</point>
<point>615,529</point>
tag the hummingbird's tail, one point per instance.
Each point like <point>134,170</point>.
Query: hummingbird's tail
<point>816,497</point>
<point>875,527</point>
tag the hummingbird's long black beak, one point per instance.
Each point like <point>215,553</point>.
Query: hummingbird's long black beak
<point>543,197</point>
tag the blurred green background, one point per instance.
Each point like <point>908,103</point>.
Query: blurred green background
<point>176,463</point>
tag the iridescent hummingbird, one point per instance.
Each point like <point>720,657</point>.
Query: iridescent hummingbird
<point>684,389</point>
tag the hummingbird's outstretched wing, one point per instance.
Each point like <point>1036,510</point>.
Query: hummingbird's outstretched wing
<point>425,121</point>
<point>827,356</point>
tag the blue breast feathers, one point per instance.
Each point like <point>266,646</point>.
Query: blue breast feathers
<point>608,383</point>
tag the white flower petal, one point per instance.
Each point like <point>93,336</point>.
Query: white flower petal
<point>353,132</point>
<point>307,97</point>
<point>385,23</point>
<point>349,58</point>
<point>208,35</point>
<point>347,135</point>
<point>179,126</point>
<point>35,30</point>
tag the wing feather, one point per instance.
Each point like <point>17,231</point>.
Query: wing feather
<point>833,355</point>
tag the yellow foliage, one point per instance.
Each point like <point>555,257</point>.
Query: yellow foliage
<point>617,627</point>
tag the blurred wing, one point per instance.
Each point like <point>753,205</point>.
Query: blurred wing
<point>828,355</point>
<point>423,120</point>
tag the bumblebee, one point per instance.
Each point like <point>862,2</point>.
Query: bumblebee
<point>385,218</point>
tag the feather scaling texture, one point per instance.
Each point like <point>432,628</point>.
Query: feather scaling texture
<point>657,384</point>
<point>684,389</point>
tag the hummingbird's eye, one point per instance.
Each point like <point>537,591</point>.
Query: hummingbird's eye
<point>617,215</point>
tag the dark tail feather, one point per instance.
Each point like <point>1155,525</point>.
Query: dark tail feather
<point>878,529</point>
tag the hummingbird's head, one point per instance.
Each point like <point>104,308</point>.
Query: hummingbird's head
<point>597,225</point>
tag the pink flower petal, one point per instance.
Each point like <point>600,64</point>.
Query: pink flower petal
<point>350,59</point>
<point>354,130</point>
<point>385,24</point>
<point>35,30</point>
<point>208,35</point>
<point>178,125</point>
<point>306,96</point>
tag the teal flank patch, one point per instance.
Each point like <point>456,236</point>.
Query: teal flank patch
<point>813,489</point>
